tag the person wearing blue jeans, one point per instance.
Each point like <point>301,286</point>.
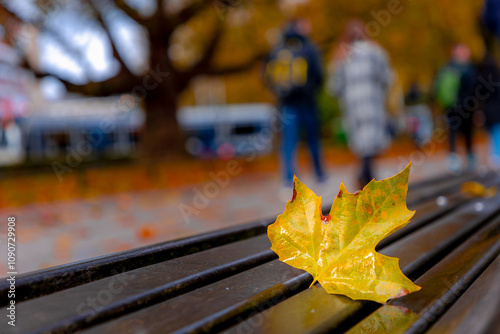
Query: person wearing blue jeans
<point>293,71</point>
<point>297,117</point>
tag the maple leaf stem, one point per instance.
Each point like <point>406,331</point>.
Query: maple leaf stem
<point>313,283</point>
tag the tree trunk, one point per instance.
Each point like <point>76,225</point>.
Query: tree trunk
<point>162,135</point>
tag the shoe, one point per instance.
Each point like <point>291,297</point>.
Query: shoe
<point>454,163</point>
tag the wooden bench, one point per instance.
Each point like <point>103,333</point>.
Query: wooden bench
<point>230,281</point>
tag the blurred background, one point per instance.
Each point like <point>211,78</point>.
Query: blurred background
<point>130,122</point>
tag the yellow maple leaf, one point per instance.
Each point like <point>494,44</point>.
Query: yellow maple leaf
<point>339,250</point>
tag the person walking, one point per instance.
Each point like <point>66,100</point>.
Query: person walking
<point>490,21</point>
<point>490,106</point>
<point>360,77</point>
<point>488,68</point>
<point>455,83</point>
<point>293,71</point>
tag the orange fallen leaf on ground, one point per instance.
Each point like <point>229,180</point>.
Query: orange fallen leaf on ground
<point>146,232</point>
<point>339,250</point>
<point>476,189</point>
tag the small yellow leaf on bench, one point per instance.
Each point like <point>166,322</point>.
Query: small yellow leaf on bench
<point>476,189</point>
<point>339,250</point>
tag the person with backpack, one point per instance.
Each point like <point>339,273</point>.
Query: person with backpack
<point>361,76</point>
<point>293,71</point>
<point>456,82</point>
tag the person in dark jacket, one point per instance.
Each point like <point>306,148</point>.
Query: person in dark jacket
<point>491,18</point>
<point>490,24</point>
<point>490,106</point>
<point>455,84</point>
<point>293,71</point>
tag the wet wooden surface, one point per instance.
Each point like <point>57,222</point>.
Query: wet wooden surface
<point>418,251</point>
<point>478,309</point>
<point>144,285</point>
<point>165,280</point>
<point>235,284</point>
<point>444,282</point>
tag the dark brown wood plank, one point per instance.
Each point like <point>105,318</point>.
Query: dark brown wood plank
<point>442,178</point>
<point>159,287</point>
<point>442,284</point>
<point>46,281</point>
<point>445,186</point>
<point>426,213</point>
<point>140,287</point>
<point>477,309</point>
<point>421,249</point>
<point>221,314</point>
<point>203,308</point>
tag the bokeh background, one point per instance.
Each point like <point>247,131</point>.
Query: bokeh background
<point>142,121</point>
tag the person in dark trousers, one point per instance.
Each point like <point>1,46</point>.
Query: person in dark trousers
<point>293,71</point>
<point>490,106</point>
<point>488,68</point>
<point>454,88</point>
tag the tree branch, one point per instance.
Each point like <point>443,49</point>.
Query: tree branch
<point>187,13</point>
<point>56,35</point>
<point>184,78</point>
<point>132,13</point>
<point>245,66</point>
<point>204,62</point>
<point>100,19</point>
<point>210,49</point>
<point>9,21</point>
<point>160,8</point>
<point>119,84</point>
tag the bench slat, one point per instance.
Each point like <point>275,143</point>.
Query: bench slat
<point>159,286</point>
<point>220,315</point>
<point>47,281</point>
<point>153,285</point>
<point>215,303</point>
<point>428,242</point>
<point>450,230</point>
<point>443,178</point>
<point>446,186</point>
<point>445,282</point>
<point>139,287</point>
<point>477,309</point>
<point>426,213</point>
